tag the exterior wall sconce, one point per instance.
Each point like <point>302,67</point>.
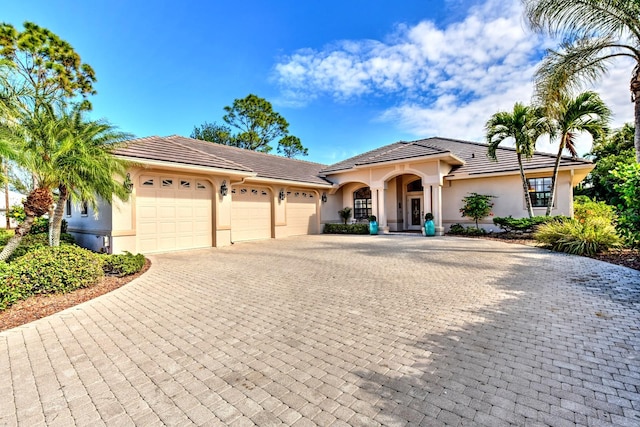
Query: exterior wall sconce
<point>224,190</point>
<point>128,184</point>
<point>324,197</point>
<point>281,195</point>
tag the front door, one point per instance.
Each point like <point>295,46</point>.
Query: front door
<point>415,212</point>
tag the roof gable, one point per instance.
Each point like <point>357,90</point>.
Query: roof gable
<point>473,154</point>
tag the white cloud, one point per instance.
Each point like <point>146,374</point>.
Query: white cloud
<point>442,81</point>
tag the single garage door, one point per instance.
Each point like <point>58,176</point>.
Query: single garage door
<point>302,217</point>
<point>250,214</point>
<point>173,213</point>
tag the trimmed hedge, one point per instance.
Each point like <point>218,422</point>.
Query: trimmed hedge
<point>122,264</point>
<point>346,229</point>
<point>459,230</point>
<point>524,225</point>
<point>49,270</point>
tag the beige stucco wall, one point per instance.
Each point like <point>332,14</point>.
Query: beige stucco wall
<point>509,200</point>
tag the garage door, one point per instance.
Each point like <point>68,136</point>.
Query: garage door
<point>301,213</point>
<point>250,214</point>
<point>173,213</point>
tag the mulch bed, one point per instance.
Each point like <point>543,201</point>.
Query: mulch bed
<point>39,306</point>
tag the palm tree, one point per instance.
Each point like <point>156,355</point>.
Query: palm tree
<point>595,33</point>
<point>82,166</point>
<point>525,125</point>
<point>67,153</point>
<point>571,116</point>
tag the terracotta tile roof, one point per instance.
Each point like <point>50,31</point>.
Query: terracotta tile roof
<point>178,149</point>
<point>188,151</point>
<point>162,149</point>
<point>474,155</point>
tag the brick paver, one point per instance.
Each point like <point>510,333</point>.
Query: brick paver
<point>339,330</point>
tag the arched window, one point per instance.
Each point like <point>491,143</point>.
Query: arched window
<point>415,186</point>
<point>362,203</point>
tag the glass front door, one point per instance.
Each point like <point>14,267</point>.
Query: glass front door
<point>415,213</point>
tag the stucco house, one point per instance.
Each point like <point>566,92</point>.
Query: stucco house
<point>188,194</point>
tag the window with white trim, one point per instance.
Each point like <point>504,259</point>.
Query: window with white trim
<point>539,191</point>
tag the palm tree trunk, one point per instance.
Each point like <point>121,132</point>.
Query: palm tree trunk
<point>554,177</point>
<point>635,97</point>
<point>636,137</point>
<point>14,242</point>
<point>55,222</point>
<point>525,187</point>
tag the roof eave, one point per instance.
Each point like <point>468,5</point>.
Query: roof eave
<point>587,167</point>
<point>186,167</point>
<point>286,182</point>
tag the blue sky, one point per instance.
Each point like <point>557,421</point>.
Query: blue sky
<point>348,75</point>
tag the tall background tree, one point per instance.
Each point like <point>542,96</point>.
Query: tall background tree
<point>595,32</point>
<point>570,117</point>
<point>46,88</point>
<point>213,132</point>
<point>524,125</point>
<point>48,65</point>
<point>609,153</point>
<point>257,125</point>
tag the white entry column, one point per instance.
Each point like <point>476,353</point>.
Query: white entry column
<point>378,208</point>
<point>436,198</point>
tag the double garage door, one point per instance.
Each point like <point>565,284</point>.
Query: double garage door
<point>173,213</point>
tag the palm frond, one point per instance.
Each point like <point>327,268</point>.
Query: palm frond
<point>569,18</point>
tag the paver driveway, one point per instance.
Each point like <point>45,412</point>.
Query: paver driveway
<point>336,330</point>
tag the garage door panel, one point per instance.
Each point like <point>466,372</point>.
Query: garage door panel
<point>301,213</point>
<point>250,214</point>
<point>173,213</point>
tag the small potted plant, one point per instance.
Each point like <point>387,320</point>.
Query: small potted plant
<point>373,224</point>
<point>429,226</point>
<point>345,214</point>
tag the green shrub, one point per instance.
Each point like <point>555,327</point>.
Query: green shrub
<point>456,229</point>
<point>4,237</point>
<point>41,225</point>
<point>585,208</point>
<point>346,229</point>
<point>476,206</point>
<point>50,270</point>
<point>460,230</point>
<point>579,237</point>
<point>31,242</point>
<point>524,225</point>
<point>8,294</point>
<point>628,189</point>
<point>122,264</point>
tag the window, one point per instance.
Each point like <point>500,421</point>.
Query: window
<point>166,182</point>
<point>415,186</point>
<point>84,208</point>
<point>185,184</point>
<point>362,203</point>
<point>539,191</point>
<point>67,207</point>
